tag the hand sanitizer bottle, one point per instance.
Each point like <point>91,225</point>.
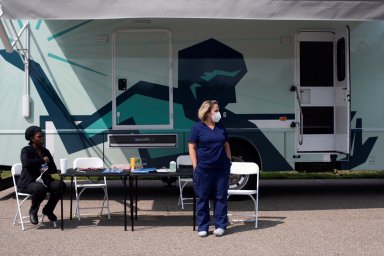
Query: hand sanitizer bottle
<point>172,166</point>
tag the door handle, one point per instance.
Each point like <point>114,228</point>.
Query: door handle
<point>300,123</point>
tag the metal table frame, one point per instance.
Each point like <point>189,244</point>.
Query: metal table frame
<point>94,173</point>
<point>182,172</point>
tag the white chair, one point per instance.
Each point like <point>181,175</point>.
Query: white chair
<point>183,160</point>
<point>247,168</point>
<point>81,186</point>
<point>21,198</point>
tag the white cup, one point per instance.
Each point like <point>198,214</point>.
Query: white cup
<point>63,165</point>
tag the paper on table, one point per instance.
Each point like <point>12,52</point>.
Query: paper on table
<point>162,170</point>
<point>113,170</point>
<point>90,169</point>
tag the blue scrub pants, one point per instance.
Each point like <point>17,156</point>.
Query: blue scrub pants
<point>207,183</point>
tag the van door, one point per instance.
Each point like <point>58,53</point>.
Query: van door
<point>142,79</point>
<point>342,94</point>
<point>322,83</point>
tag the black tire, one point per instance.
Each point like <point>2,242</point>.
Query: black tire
<point>243,152</point>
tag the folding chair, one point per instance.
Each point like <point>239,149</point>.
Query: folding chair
<point>21,198</point>
<point>80,187</point>
<point>183,160</point>
<point>246,168</point>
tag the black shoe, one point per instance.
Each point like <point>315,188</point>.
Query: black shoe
<point>33,218</point>
<point>50,215</point>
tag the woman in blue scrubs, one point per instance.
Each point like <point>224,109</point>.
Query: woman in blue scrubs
<point>210,154</point>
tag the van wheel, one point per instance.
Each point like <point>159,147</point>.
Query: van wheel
<point>238,181</point>
<point>242,152</point>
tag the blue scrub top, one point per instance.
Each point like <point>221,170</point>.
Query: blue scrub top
<point>210,146</point>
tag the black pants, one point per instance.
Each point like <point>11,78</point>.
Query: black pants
<point>39,191</point>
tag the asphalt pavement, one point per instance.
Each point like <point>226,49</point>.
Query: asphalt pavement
<point>296,217</point>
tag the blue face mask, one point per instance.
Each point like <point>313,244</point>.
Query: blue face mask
<point>216,117</point>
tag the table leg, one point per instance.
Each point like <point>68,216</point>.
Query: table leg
<point>70,207</point>
<point>125,203</point>
<point>136,199</point>
<point>61,212</point>
<point>131,201</point>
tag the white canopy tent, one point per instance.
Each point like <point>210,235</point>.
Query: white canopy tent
<point>215,9</point>
<point>346,10</point>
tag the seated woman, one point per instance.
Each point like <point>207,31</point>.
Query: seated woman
<point>37,160</point>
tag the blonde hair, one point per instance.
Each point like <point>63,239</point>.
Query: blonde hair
<point>205,108</point>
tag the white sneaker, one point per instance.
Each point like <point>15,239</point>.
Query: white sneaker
<point>203,233</point>
<point>219,232</point>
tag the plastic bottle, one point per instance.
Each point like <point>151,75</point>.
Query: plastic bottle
<point>172,166</point>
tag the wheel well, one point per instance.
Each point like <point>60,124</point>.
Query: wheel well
<point>251,153</point>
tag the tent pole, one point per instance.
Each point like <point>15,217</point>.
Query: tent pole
<point>24,51</point>
<point>26,97</point>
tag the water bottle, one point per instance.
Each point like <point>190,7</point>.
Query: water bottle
<point>172,166</point>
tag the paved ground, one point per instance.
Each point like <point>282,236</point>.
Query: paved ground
<point>297,217</point>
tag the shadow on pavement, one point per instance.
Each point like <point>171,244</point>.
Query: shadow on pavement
<point>316,194</point>
<point>275,195</point>
<point>250,226</point>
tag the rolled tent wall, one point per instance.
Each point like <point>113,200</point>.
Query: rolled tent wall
<point>4,38</point>
<point>215,9</point>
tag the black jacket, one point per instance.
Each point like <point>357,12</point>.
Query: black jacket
<point>32,162</point>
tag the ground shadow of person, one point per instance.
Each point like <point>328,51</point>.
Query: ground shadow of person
<point>244,226</point>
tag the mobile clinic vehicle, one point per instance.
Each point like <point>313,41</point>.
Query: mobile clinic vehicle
<point>299,83</point>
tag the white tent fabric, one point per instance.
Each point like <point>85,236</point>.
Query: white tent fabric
<point>215,9</point>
